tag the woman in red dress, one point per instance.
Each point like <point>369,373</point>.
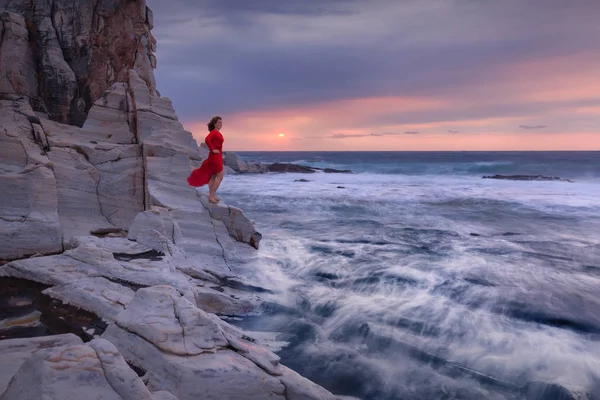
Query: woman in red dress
<point>211,170</point>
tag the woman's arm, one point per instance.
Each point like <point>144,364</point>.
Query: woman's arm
<point>210,143</point>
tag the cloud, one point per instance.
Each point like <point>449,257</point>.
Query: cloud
<point>222,57</point>
<point>350,135</point>
<point>412,133</point>
<point>334,69</point>
<point>533,126</point>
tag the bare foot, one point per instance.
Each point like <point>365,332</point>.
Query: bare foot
<point>214,201</point>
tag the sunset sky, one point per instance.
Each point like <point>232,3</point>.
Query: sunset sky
<point>384,74</point>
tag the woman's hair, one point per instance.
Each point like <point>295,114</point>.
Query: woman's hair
<point>213,122</point>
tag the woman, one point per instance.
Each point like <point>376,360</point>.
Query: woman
<point>211,170</point>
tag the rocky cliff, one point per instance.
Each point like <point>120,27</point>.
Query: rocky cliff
<point>114,271</point>
<point>61,55</point>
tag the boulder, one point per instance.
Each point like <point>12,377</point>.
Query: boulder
<point>238,224</point>
<point>75,371</point>
<point>14,352</point>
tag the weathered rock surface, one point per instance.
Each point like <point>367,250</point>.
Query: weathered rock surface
<point>13,352</point>
<point>174,325</point>
<point>97,295</point>
<point>93,371</point>
<point>236,222</point>
<point>158,331</point>
<point>527,178</point>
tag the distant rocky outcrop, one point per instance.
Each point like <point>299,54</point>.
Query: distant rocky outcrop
<point>527,178</point>
<point>237,165</point>
<point>232,160</point>
<point>113,270</point>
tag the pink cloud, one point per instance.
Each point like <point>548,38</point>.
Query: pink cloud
<point>547,87</point>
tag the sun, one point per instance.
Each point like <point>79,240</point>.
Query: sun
<point>281,135</point>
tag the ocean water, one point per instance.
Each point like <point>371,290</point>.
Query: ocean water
<point>413,278</point>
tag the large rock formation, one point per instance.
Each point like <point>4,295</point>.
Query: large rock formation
<point>101,239</point>
<point>61,55</point>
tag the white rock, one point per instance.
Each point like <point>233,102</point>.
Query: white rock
<point>163,107</point>
<point>99,296</point>
<point>121,189</point>
<point>77,183</point>
<point>118,374</point>
<point>140,272</point>
<point>156,229</point>
<point>162,136</point>
<point>100,184</point>
<point>221,375</point>
<point>89,260</point>
<point>249,348</point>
<point>237,223</point>
<point>163,317</point>
<point>13,352</point>
<point>29,203</point>
<point>166,183</point>
<point>12,152</point>
<point>113,245</point>
<point>29,222</point>
<point>110,124</point>
<point>224,302</point>
<point>49,270</point>
<point>77,371</point>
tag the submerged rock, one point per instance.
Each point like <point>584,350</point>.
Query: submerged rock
<point>527,178</point>
<point>283,167</point>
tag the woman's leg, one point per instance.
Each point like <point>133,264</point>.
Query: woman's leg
<point>211,188</point>
<point>213,185</point>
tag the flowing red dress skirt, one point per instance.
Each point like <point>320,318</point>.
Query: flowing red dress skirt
<point>211,166</point>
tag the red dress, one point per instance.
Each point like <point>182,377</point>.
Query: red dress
<point>213,164</point>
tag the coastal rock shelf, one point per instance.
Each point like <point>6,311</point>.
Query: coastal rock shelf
<point>116,277</point>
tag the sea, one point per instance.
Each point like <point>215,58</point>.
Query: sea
<point>415,278</point>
